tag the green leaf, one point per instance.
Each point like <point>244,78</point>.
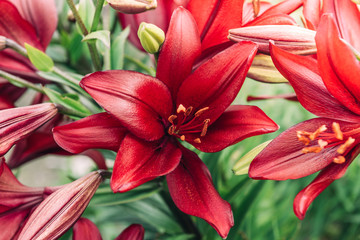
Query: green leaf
<point>78,110</point>
<point>118,49</point>
<point>86,11</point>
<point>242,165</point>
<point>55,78</point>
<point>102,35</point>
<point>39,59</point>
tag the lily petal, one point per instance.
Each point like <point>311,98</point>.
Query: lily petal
<point>235,124</point>
<point>84,229</point>
<point>180,49</point>
<point>312,12</point>
<point>337,64</point>
<point>286,7</point>
<point>303,75</point>
<point>283,158</point>
<point>275,19</point>
<point>216,83</point>
<point>334,171</point>
<point>100,130</point>
<point>193,192</point>
<point>139,161</point>
<point>138,101</point>
<point>133,232</point>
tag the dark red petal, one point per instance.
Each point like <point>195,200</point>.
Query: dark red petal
<point>11,223</point>
<point>303,75</point>
<point>5,103</point>
<point>97,157</point>
<point>216,19</point>
<point>193,192</point>
<point>179,51</point>
<point>237,123</point>
<point>334,171</point>
<point>216,83</point>
<point>139,161</point>
<point>100,130</point>
<point>133,232</point>
<point>44,22</point>
<point>84,229</point>
<point>337,64</point>
<point>311,12</point>
<point>139,101</point>
<point>283,159</point>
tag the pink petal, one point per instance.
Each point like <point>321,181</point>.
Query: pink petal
<point>139,161</point>
<point>44,22</point>
<point>283,159</point>
<point>248,11</point>
<point>139,101</point>
<point>100,130</point>
<point>11,223</point>
<point>275,19</point>
<point>235,124</point>
<point>84,229</point>
<point>216,83</point>
<point>193,192</point>
<point>312,12</point>
<point>216,19</point>
<point>338,65</point>
<point>179,51</point>
<point>286,7</point>
<point>133,232</point>
<point>334,171</point>
<point>303,74</point>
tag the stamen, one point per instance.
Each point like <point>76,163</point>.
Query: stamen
<point>305,140</point>
<point>336,129</point>
<point>311,149</point>
<point>171,130</point>
<point>201,111</point>
<point>315,134</point>
<point>182,137</point>
<point>197,140</point>
<point>322,143</point>
<point>188,111</point>
<point>205,127</point>
<point>172,118</point>
<point>181,108</point>
<point>339,160</point>
<point>345,145</point>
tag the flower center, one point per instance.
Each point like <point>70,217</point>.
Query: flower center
<point>342,140</point>
<point>185,122</point>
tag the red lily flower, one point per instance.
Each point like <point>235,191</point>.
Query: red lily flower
<point>151,114</point>
<point>330,143</point>
<point>16,201</point>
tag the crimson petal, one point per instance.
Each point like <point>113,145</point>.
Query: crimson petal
<point>303,74</point>
<point>334,171</point>
<point>193,192</point>
<point>84,229</point>
<point>137,100</point>
<point>235,124</point>
<point>216,83</point>
<point>311,12</point>
<point>100,130</point>
<point>180,49</point>
<point>133,232</point>
<point>139,161</point>
<point>275,19</point>
<point>283,159</point>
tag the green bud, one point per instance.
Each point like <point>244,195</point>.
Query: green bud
<point>151,37</point>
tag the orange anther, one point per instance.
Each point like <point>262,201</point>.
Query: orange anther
<point>188,111</point>
<point>201,111</point>
<point>182,137</point>
<point>339,160</point>
<point>172,118</point>
<point>197,140</point>
<point>311,149</point>
<point>171,130</point>
<point>205,127</point>
<point>181,108</point>
<point>315,134</point>
<point>345,145</point>
<point>336,129</point>
<point>322,143</point>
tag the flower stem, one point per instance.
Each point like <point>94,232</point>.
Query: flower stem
<point>91,45</point>
<point>70,112</point>
<point>141,65</point>
<point>19,82</point>
<point>16,47</point>
<point>99,6</point>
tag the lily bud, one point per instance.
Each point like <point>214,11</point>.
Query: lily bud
<point>263,70</point>
<point>293,39</point>
<point>151,37</point>
<point>58,212</point>
<point>133,232</point>
<point>132,6</point>
<point>2,43</point>
<point>18,123</point>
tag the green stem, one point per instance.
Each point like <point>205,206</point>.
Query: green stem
<point>141,65</point>
<point>64,75</point>
<point>16,47</point>
<point>19,82</point>
<point>99,6</point>
<point>70,112</point>
<point>91,45</point>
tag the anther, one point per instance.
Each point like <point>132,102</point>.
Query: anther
<point>339,160</point>
<point>205,127</point>
<point>188,111</point>
<point>322,143</point>
<point>201,111</point>
<point>311,149</point>
<point>182,137</point>
<point>345,145</point>
<point>336,129</point>
<point>321,129</point>
<point>172,118</point>
<point>197,140</point>
<point>171,130</point>
<point>181,108</point>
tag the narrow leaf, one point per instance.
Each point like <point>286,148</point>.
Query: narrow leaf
<point>102,35</point>
<point>39,59</point>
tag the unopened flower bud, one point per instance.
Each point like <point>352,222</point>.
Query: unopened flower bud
<point>58,212</point>
<point>18,123</point>
<point>151,37</point>
<point>294,39</point>
<point>2,43</point>
<point>132,6</point>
